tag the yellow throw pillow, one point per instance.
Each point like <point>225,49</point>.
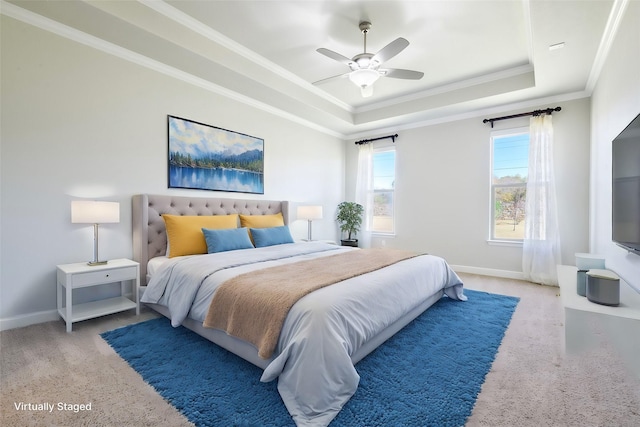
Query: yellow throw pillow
<point>184,233</point>
<point>262,221</point>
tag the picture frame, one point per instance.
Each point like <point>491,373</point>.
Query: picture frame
<point>206,157</point>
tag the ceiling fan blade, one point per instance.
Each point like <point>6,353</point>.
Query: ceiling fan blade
<point>390,50</point>
<point>401,74</point>
<point>328,79</point>
<point>335,56</point>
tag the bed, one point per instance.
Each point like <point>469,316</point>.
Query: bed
<point>324,334</point>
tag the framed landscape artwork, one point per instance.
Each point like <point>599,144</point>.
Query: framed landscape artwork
<point>206,157</point>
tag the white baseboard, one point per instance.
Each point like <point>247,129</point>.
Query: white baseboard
<point>28,319</point>
<point>38,317</point>
<point>516,275</point>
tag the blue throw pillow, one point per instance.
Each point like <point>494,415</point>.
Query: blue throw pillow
<point>228,239</point>
<point>271,236</point>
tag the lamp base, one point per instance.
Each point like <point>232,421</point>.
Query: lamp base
<point>96,257</point>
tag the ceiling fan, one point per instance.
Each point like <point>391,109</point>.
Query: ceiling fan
<point>365,67</point>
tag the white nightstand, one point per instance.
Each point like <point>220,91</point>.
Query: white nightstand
<point>81,275</point>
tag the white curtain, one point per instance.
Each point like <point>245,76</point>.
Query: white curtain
<point>541,248</point>
<point>364,192</point>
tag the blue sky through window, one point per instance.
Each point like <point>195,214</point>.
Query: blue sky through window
<point>384,170</point>
<point>511,155</point>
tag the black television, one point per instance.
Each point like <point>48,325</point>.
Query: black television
<point>626,188</point>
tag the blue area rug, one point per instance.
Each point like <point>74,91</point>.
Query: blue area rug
<point>428,374</point>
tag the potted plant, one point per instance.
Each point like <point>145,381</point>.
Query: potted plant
<point>350,219</point>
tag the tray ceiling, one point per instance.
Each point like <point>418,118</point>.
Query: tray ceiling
<point>477,56</point>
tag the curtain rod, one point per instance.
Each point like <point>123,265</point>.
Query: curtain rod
<point>530,113</point>
<point>366,141</point>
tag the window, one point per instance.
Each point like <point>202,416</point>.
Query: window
<point>384,179</point>
<point>509,170</point>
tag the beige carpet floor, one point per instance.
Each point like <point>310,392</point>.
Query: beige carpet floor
<point>532,381</point>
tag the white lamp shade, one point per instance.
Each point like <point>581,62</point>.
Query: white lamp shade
<point>309,212</point>
<point>364,77</point>
<point>93,212</point>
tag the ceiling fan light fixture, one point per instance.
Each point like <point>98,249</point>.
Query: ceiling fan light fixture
<point>365,66</point>
<point>364,77</point>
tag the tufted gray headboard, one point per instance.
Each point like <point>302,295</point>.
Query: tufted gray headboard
<point>149,234</point>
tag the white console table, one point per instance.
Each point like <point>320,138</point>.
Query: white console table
<point>588,324</point>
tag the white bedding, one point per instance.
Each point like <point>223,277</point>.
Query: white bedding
<point>154,264</point>
<point>312,362</point>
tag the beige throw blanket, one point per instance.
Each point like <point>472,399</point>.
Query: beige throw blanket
<point>253,306</point>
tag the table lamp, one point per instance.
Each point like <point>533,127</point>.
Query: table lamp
<point>309,213</point>
<point>94,212</point>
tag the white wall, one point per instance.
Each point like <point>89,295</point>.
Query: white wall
<point>442,189</point>
<point>615,102</point>
<point>79,123</point>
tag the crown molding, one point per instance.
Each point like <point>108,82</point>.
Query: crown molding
<point>450,87</point>
<point>613,24</point>
<point>528,28</point>
<point>83,38</point>
<point>194,25</point>
<point>478,113</point>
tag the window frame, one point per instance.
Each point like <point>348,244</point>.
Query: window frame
<point>381,148</point>
<point>497,134</point>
